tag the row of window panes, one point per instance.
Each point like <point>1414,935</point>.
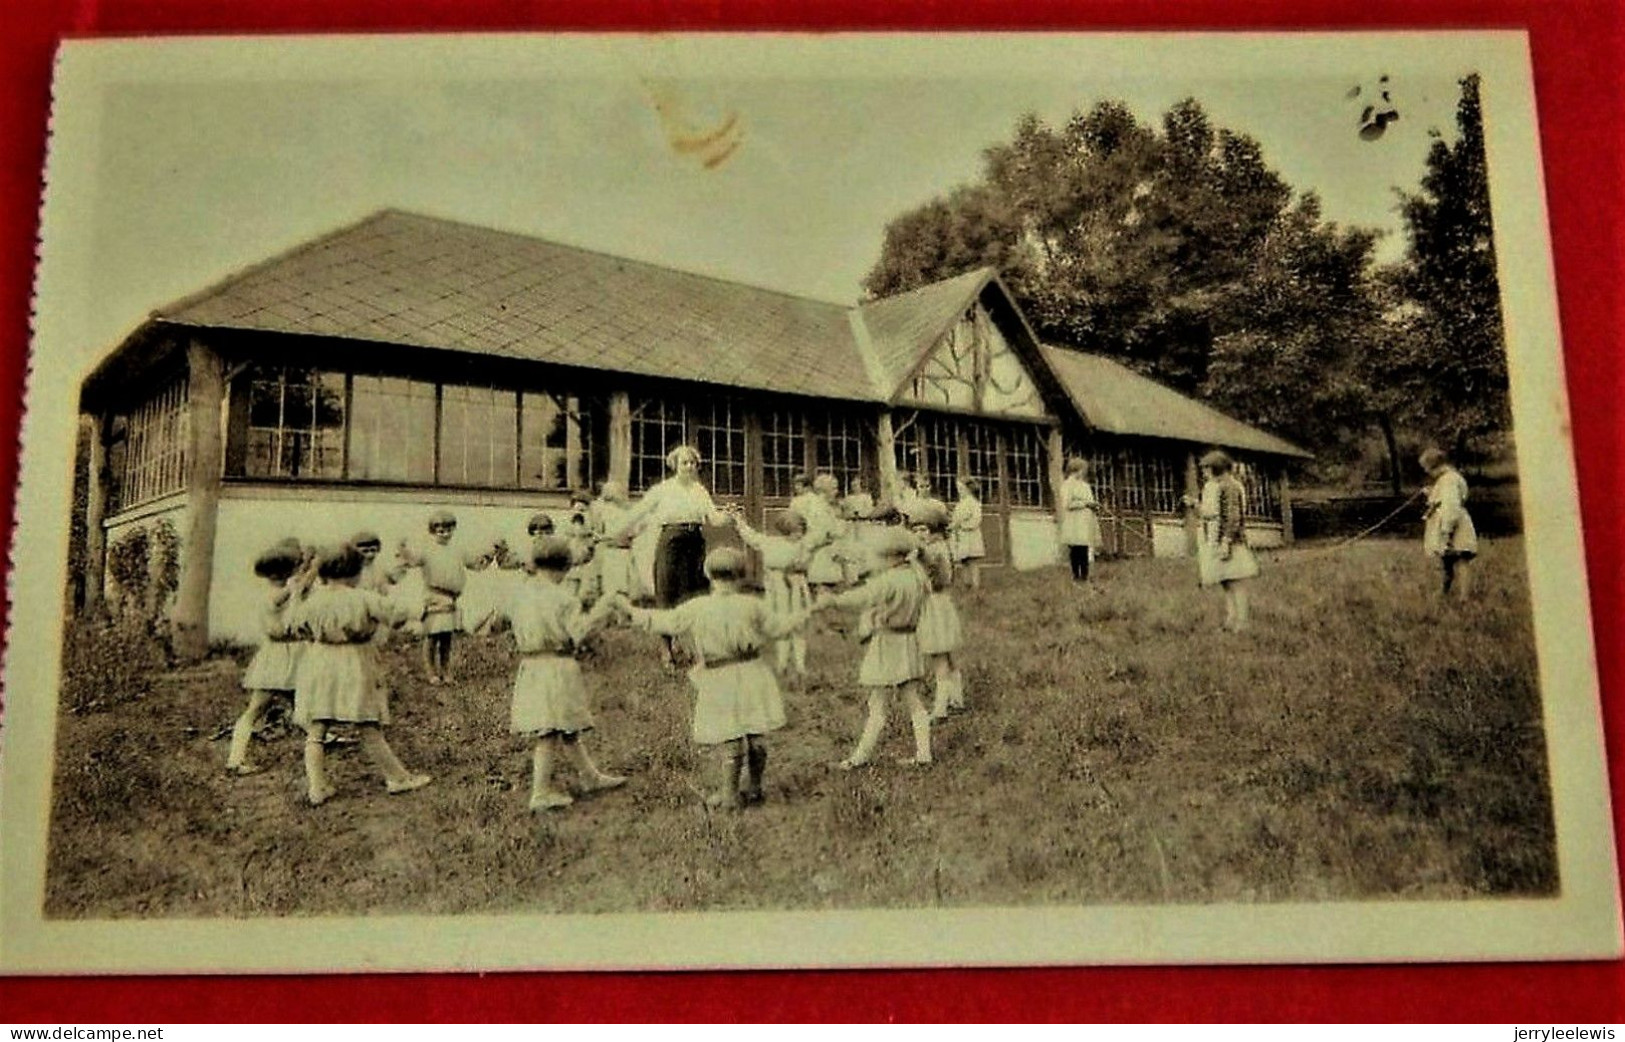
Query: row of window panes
<point>944,447</point>
<point>153,454</point>
<point>487,437</point>
<point>1127,481</point>
<point>717,429</point>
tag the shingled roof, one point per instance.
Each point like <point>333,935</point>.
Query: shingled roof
<point>425,282</point>
<point>1116,399</point>
<point>401,278</point>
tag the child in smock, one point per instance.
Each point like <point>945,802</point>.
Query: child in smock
<point>550,703</point>
<point>445,574</point>
<point>736,696</point>
<point>271,672</point>
<point>891,601</point>
<point>337,679</point>
<point>965,541</point>
<point>1447,531</point>
<point>616,573</point>
<point>940,631</point>
<point>784,583</point>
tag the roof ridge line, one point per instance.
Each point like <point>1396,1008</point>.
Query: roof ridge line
<point>866,351</point>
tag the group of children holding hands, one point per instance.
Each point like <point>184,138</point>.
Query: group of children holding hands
<point>326,610</point>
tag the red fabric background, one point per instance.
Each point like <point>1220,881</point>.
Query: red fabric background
<point>1579,54</point>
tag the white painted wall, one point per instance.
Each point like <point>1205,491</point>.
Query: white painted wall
<point>1034,541</point>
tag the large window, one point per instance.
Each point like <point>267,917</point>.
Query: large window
<point>657,428</point>
<point>151,460</point>
<point>479,436</point>
<point>555,441</point>
<point>1164,483</point>
<point>784,451</point>
<point>1263,497</point>
<point>1025,459</point>
<point>719,434</point>
<point>295,423</point>
<point>299,422</point>
<point>982,459</point>
<point>939,460</point>
<point>391,430</point>
<point>838,446</point>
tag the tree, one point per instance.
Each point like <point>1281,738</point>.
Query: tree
<point>1111,234</point>
<point>1450,351</point>
<point>1294,352</point>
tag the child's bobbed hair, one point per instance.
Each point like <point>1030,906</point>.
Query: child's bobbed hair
<point>338,562</point>
<point>550,554</point>
<point>366,539</point>
<point>279,562</point>
<point>931,515</point>
<point>972,487</point>
<point>680,453</point>
<point>790,524</point>
<point>540,524</point>
<point>725,564</point>
<point>1077,465</point>
<point>1433,458</point>
<point>1218,462</point>
<point>442,519</point>
<point>824,481</point>
<point>613,491</point>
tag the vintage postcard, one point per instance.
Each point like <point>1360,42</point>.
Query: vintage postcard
<point>773,501</point>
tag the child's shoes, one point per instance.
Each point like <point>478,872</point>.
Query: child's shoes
<point>603,781</point>
<point>411,783</point>
<point>549,800</point>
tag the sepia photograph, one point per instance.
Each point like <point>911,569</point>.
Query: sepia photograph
<point>661,501</point>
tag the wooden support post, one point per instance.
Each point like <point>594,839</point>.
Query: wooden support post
<point>1193,490</point>
<point>572,443</point>
<point>1285,485</point>
<point>886,456</point>
<point>1055,453</point>
<point>95,428</point>
<point>620,439</point>
<point>205,462</point>
<point>754,474</point>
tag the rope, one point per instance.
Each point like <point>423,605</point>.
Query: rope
<point>1356,537</point>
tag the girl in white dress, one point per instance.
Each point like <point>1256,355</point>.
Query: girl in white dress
<point>549,693</point>
<point>891,601</point>
<point>737,700</point>
<point>965,526</point>
<point>1080,520</point>
<point>616,574</point>
<point>1448,531</point>
<point>1223,557</point>
<point>784,582</point>
<point>271,672</point>
<point>940,632</point>
<point>337,679</point>
<point>445,574</point>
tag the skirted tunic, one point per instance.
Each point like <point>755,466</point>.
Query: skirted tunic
<point>549,692</point>
<point>339,675</point>
<point>891,602</point>
<point>276,661</point>
<point>965,530</point>
<point>445,574</point>
<point>1080,520</point>
<point>616,573</point>
<point>1223,509</point>
<point>940,629</point>
<point>784,570</point>
<point>1449,528</point>
<point>736,694</point>
<point>826,541</point>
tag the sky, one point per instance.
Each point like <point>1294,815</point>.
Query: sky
<point>197,179</point>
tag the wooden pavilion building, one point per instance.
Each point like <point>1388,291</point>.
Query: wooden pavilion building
<point>408,363</point>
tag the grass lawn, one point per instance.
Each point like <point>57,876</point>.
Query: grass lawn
<point>1363,740</point>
